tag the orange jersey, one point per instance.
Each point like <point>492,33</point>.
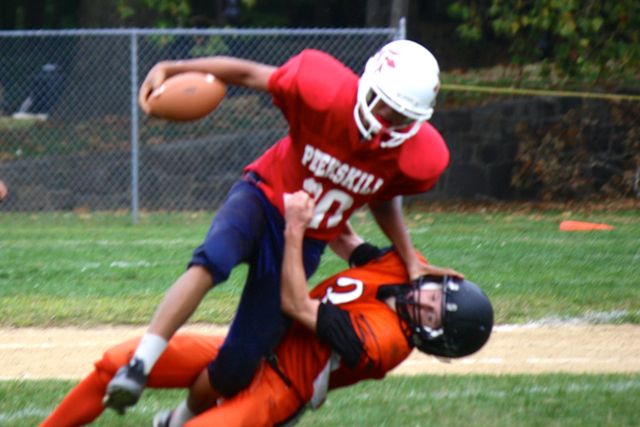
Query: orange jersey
<point>302,356</point>
<point>307,363</point>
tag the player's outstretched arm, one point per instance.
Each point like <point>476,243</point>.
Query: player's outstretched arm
<point>346,242</point>
<point>332,325</point>
<point>389,216</point>
<point>294,294</point>
<point>232,71</point>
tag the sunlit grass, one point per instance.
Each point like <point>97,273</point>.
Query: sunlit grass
<point>84,268</point>
<point>437,401</point>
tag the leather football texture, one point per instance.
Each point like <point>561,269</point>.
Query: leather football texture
<point>186,97</point>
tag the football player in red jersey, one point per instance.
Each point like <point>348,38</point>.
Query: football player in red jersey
<point>351,142</point>
<point>357,325</point>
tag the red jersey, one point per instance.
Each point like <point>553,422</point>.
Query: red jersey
<point>303,357</point>
<point>324,153</point>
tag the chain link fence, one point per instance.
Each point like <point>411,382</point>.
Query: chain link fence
<point>72,137</point>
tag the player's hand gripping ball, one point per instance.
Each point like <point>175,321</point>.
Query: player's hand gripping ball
<point>186,96</point>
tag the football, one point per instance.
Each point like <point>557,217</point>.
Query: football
<point>186,96</point>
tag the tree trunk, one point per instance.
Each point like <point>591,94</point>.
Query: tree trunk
<point>377,14</point>
<point>399,9</point>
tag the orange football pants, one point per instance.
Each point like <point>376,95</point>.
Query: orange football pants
<point>267,401</point>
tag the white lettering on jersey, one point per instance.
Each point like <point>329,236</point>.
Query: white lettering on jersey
<point>346,290</point>
<point>324,201</point>
<point>323,165</point>
<point>354,180</point>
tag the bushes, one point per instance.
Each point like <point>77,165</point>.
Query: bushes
<point>591,39</point>
<point>592,152</point>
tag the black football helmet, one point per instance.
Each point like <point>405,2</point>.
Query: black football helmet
<point>467,318</point>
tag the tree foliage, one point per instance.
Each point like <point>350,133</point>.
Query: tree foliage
<point>170,13</point>
<point>581,37</point>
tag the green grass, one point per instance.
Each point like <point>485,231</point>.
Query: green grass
<point>437,401</point>
<point>89,269</point>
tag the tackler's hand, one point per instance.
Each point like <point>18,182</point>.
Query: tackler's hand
<point>424,269</point>
<point>298,210</point>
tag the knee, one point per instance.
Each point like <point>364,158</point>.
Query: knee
<point>221,252</point>
<point>116,356</point>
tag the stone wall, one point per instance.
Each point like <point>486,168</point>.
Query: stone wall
<point>182,175</point>
<point>195,174</point>
<point>484,142</point>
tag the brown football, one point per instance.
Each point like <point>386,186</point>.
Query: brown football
<point>186,96</point>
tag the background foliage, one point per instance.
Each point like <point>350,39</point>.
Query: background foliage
<point>575,45</point>
<point>579,37</point>
<point>568,159</point>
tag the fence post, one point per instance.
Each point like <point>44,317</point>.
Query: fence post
<point>134,126</point>
<point>402,29</point>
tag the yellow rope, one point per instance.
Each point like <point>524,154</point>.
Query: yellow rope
<point>540,92</point>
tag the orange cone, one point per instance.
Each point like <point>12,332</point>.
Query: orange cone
<point>583,226</point>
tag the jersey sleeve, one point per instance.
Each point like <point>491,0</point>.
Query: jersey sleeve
<point>369,342</point>
<point>308,84</point>
<point>422,161</point>
<point>283,82</point>
<point>385,345</point>
<point>334,328</point>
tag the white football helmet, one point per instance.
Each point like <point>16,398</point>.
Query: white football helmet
<point>405,76</point>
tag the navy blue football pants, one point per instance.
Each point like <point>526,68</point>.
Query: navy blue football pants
<point>248,228</point>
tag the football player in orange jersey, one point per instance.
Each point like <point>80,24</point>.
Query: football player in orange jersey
<point>357,325</point>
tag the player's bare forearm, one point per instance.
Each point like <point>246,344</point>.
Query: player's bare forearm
<point>346,242</point>
<point>388,215</point>
<point>294,294</point>
<point>234,71</point>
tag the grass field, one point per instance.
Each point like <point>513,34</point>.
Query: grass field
<point>454,401</point>
<point>70,269</point>
<point>91,269</point>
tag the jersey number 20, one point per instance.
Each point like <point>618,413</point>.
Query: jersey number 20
<point>324,201</point>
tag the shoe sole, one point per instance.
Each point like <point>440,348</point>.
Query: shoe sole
<point>120,399</point>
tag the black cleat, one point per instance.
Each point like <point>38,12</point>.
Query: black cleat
<point>125,388</point>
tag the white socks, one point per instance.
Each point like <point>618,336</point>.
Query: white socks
<point>181,415</point>
<point>149,350</point>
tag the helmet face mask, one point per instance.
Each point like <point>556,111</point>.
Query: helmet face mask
<point>404,76</point>
<point>467,318</point>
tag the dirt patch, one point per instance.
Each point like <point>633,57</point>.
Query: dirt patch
<point>537,350</point>
<point>68,353</point>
